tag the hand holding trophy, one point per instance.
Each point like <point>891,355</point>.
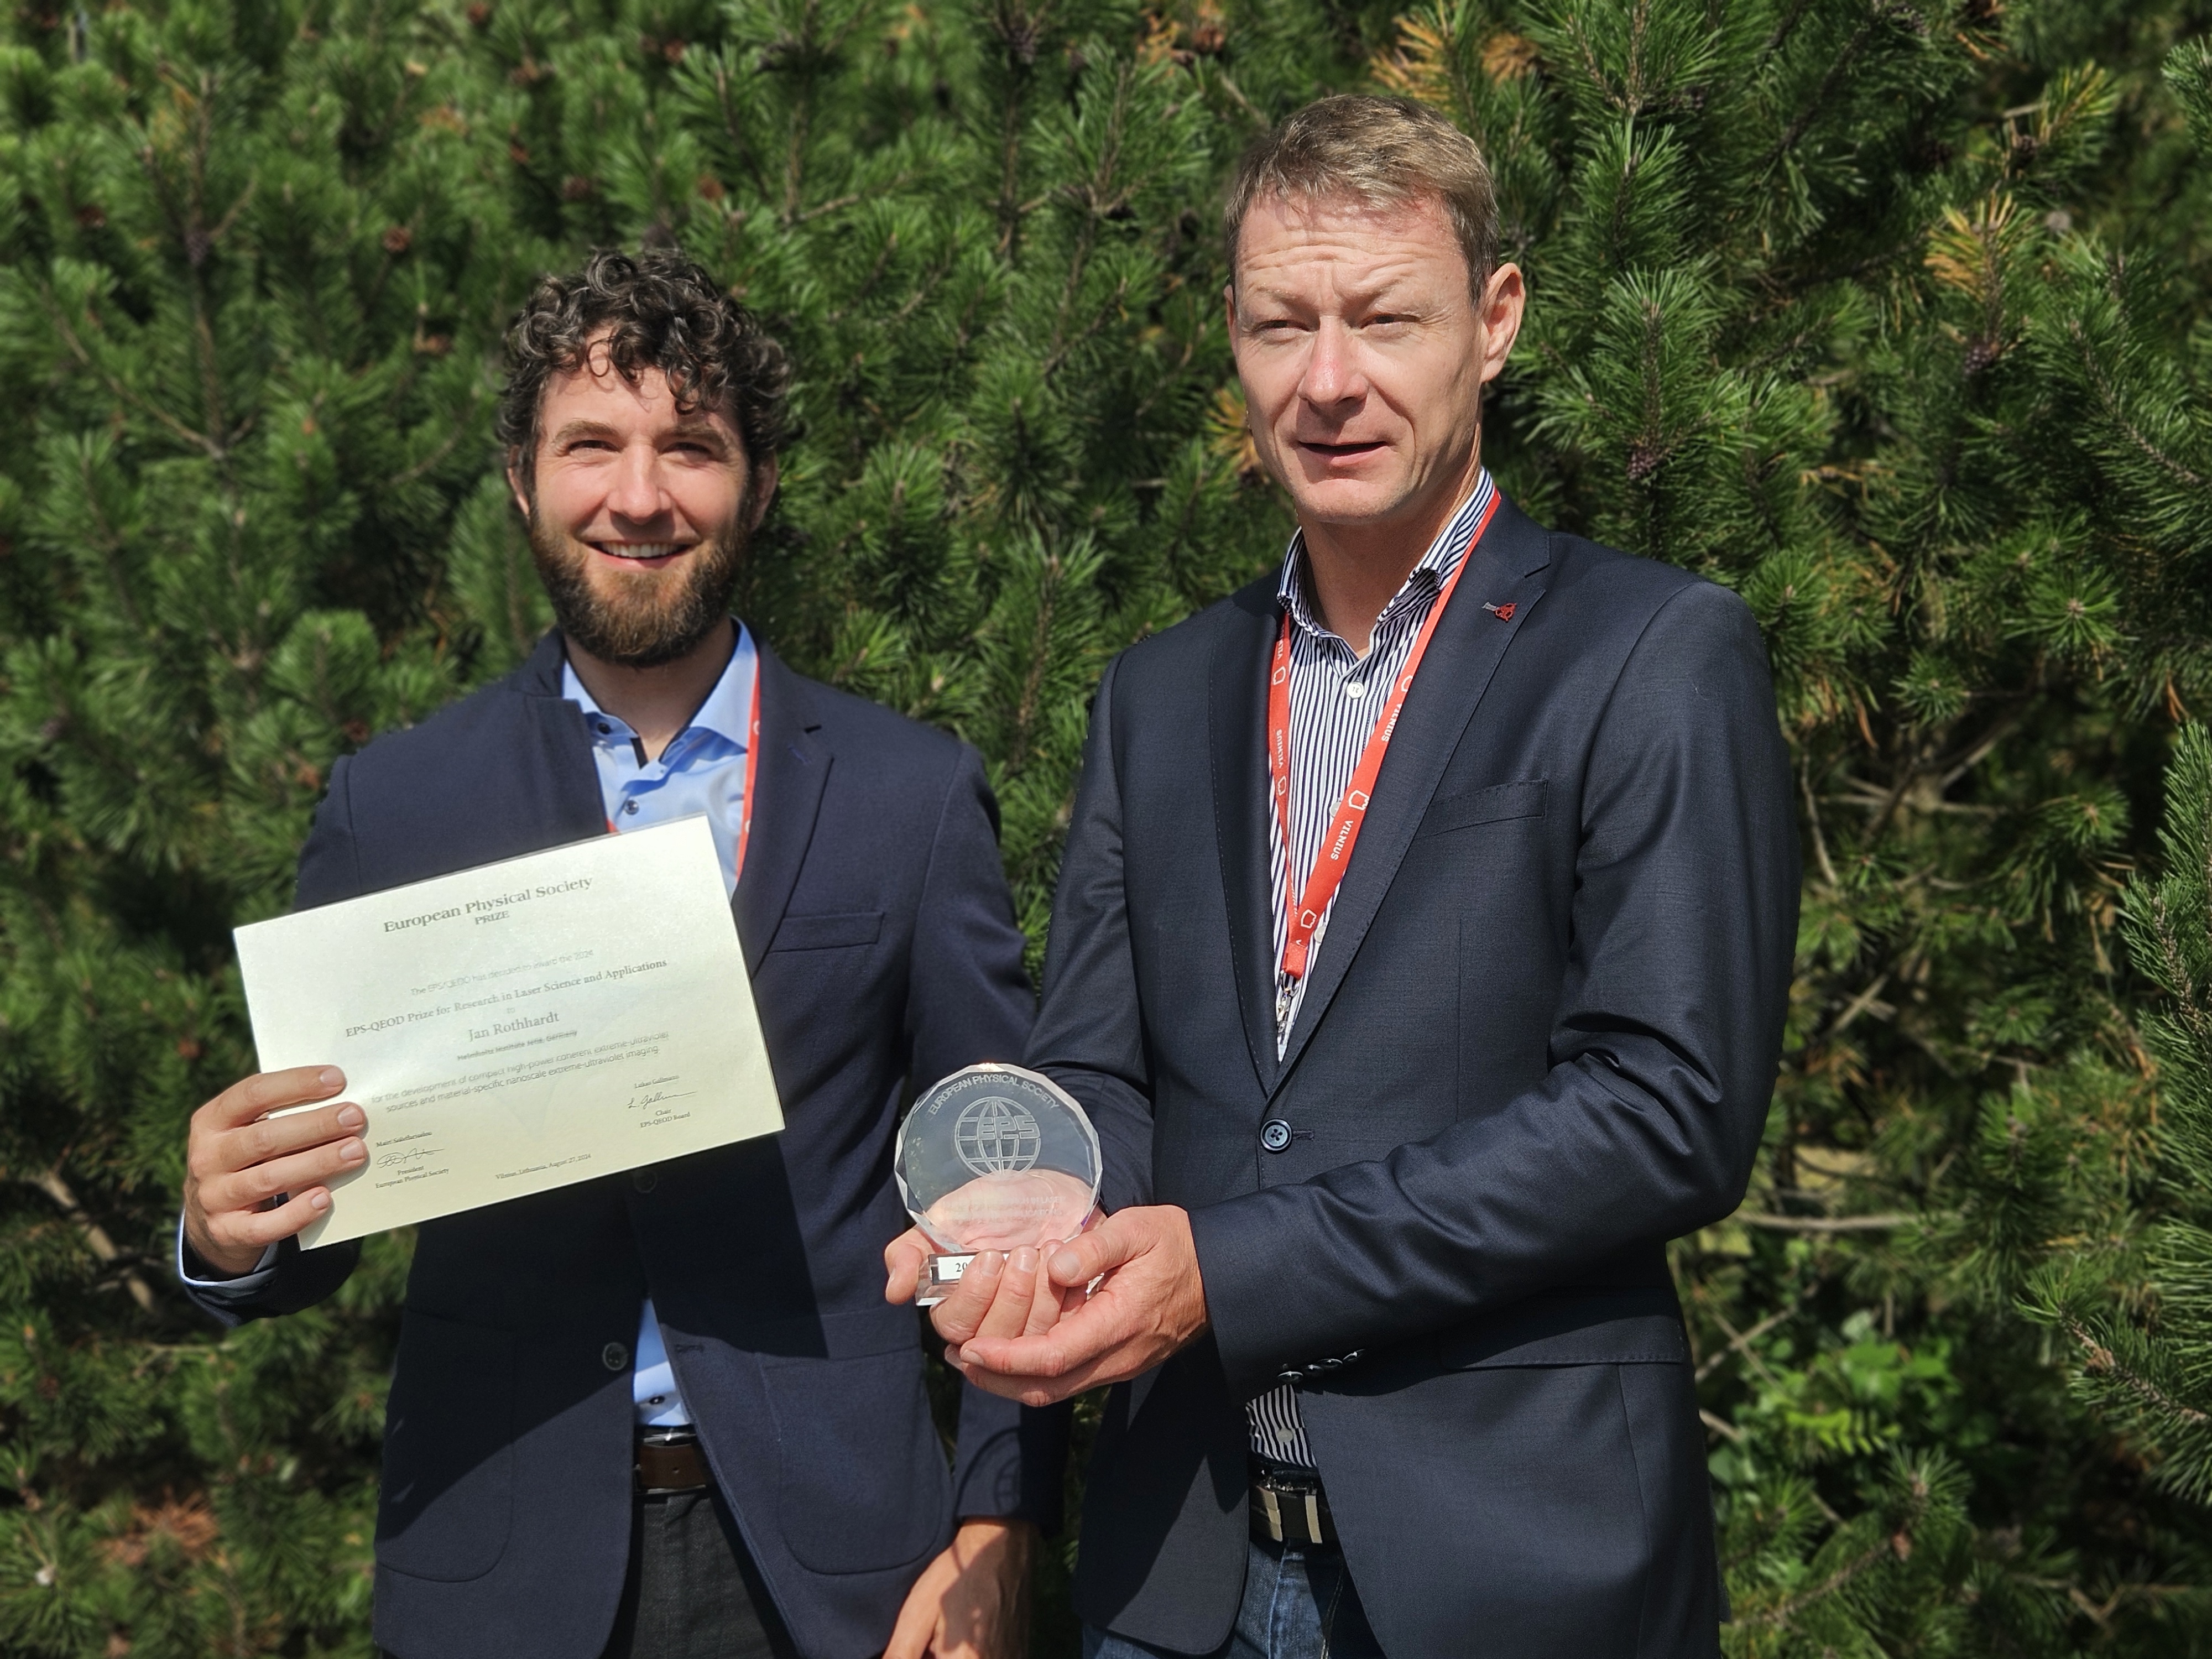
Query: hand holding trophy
<point>994,1157</point>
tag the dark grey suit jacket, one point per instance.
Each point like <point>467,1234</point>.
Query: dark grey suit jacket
<point>881,948</point>
<point>1539,1042</point>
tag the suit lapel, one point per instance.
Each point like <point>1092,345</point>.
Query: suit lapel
<point>554,729</point>
<point>794,766</point>
<point>1238,728</point>
<point>1469,643</point>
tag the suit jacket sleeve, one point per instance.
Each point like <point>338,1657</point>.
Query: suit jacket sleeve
<point>299,1279</point>
<point>1090,1023</point>
<point>970,1002</point>
<point>1663,1043</point>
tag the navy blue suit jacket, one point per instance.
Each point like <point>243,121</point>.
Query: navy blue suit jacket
<point>1538,1043</point>
<point>876,923</point>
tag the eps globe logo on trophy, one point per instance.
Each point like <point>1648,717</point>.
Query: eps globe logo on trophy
<point>996,1136</point>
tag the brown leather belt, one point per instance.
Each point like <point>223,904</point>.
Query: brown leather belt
<point>1289,1507</point>
<point>670,1461</point>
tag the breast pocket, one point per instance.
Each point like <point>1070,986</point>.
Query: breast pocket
<point>1471,807</point>
<point>829,931</point>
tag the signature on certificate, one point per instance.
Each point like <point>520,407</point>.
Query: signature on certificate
<point>649,1094</point>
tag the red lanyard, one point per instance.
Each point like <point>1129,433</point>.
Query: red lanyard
<point>1302,911</point>
<point>753,766</point>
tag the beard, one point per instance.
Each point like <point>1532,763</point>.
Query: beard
<point>641,618</point>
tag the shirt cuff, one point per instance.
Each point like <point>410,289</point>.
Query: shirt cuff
<point>224,1290</point>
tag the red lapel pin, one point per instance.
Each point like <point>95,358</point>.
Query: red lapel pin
<point>1503,612</point>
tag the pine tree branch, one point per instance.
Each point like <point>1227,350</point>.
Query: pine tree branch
<point>189,225</point>
<point>438,452</point>
<point>839,203</point>
<point>1095,193</point>
<point>1783,30</point>
<point>1898,1547</point>
<point>2180,984</point>
<point>117,389</point>
<point>2110,400</point>
<point>1740,1341</point>
<point>741,151</point>
<point>794,171</point>
<point>2004,728</point>
<point>2100,1361</point>
<point>1806,116</point>
<point>1858,1004</point>
<point>1821,1223</point>
<point>96,1240</point>
<point>1786,1609</point>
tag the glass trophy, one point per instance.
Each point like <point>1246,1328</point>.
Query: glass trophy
<point>992,1158</point>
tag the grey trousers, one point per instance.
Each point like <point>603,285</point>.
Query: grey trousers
<point>693,1591</point>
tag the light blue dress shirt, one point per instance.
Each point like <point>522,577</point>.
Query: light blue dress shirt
<point>702,771</point>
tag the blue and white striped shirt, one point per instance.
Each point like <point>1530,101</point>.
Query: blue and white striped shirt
<point>1336,696</point>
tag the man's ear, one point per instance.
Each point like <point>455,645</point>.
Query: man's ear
<point>515,484</point>
<point>760,492</point>
<point>1505,302</point>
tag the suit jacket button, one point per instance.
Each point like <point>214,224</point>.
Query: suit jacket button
<point>644,1181</point>
<point>1274,1134</point>
<point>614,1356</point>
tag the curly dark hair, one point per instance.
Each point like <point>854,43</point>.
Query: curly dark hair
<point>659,311</point>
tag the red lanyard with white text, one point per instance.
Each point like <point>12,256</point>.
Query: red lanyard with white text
<point>753,766</point>
<point>1302,911</point>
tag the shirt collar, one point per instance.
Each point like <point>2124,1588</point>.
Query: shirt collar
<point>1421,583</point>
<point>727,711</point>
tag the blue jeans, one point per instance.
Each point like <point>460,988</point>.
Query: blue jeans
<point>1298,1604</point>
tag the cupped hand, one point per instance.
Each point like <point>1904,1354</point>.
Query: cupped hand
<point>1001,1294</point>
<point>1150,1303</point>
<point>251,1179</point>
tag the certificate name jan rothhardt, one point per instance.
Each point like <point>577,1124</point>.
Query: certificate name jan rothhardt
<point>521,1025</point>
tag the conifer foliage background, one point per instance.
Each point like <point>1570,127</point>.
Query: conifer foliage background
<point>1890,314</point>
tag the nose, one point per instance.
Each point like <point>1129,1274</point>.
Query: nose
<point>634,491</point>
<point>1333,375</point>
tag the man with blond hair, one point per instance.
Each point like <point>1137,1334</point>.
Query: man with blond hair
<point>1420,951</point>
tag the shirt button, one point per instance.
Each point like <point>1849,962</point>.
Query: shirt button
<point>614,1356</point>
<point>604,728</point>
<point>630,806</point>
<point>1355,689</point>
<point>644,1181</point>
<point>1274,1134</point>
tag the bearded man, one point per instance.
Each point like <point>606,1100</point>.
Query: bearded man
<point>667,1413</point>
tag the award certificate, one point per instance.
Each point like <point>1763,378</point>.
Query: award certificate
<point>521,1025</point>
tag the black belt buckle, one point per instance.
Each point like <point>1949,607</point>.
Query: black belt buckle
<point>1289,1507</point>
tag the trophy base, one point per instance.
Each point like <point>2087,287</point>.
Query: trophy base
<point>938,1277</point>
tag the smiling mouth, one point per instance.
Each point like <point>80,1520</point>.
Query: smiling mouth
<point>1339,452</point>
<point>653,554</point>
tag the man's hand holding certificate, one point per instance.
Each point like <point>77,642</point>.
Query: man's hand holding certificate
<point>504,1030</point>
